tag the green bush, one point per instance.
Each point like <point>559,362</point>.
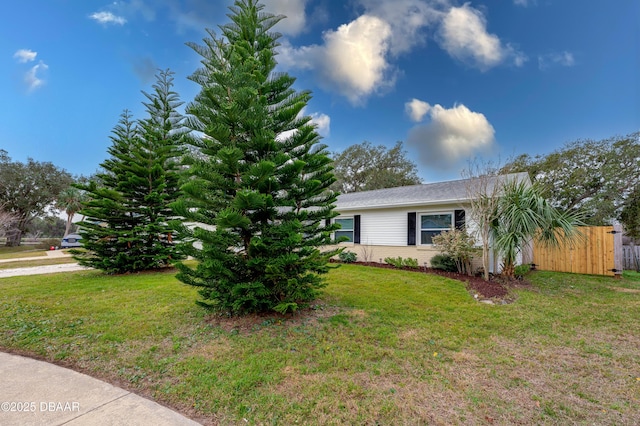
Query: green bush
<point>348,257</point>
<point>444,262</point>
<point>521,270</point>
<point>395,261</point>
<point>459,245</point>
<point>399,262</point>
<point>410,263</point>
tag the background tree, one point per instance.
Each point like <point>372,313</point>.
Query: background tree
<point>630,218</point>
<point>630,215</point>
<point>27,190</point>
<point>259,199</point>
<point>523,214</point>
<point>126,226</point>
<point>70,201</point>
<point>47,227</point>
<point>594,176</point>
<point>363,167</point>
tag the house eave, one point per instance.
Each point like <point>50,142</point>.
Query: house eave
<point>397,205</point>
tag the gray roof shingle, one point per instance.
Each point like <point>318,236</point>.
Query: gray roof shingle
<point>454,191</point>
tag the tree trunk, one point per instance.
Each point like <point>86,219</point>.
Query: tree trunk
<point>485,260</point>
<point>14,237</point>
<point>69,223</point>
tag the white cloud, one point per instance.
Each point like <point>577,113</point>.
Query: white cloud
<point>294,10</point>
<point>463,34</point>
<point>322,122</point>
<point>25,55</point>
<point>524,3</point>
<point>106,18</point>
<point>352,61</point>
<point>416,109</point>
<point>564,59</point>
<point>450,136</point>
<point>33,79</point>
<point>357,59</point>
<point>407,18</point>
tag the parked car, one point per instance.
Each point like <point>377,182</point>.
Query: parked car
<point>71,240</point>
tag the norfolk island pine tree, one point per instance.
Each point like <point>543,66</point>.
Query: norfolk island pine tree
<point>126,226</point>
<point>258,187</point>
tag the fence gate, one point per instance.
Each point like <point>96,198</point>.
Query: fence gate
<point>599,253</point>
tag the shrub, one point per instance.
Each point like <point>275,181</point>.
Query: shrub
<point>444,262</point>
<point>399,262</point>
<point>348,257</point>
<point>521,270</point>
<point>395,261</point>
<point>410,263</point>
<point>458,245</point>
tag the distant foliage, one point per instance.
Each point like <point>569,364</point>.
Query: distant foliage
<point>593,176</point>
<point>630,215</point>
<point>46,227</point>
<point>363,167</point>
<point>27,190</point>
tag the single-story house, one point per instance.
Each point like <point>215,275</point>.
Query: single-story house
<point>402,221</point>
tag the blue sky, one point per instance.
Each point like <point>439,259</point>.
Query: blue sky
<point>453,80</point>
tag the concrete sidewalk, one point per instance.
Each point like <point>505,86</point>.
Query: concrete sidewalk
<point>34,392</point>
<point>44,269</point>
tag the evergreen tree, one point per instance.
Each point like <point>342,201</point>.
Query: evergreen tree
<point>259,188</point>
<point>126,226</point>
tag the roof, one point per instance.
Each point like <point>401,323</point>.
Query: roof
<point>454,191</point>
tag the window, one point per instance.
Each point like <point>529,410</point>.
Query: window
<point>347,228</point>
<point>433,224</point>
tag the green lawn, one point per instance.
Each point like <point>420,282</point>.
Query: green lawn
<point>20,251</point>
<point>381,347</point>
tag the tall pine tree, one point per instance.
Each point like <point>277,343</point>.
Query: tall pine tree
<point>259,190</point>
<point>126,226</point>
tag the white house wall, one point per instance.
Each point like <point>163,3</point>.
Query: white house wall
<point>383,233</point>
<point>388,227</point>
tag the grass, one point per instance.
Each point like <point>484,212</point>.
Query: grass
<point>381,347</point>
<point>20,251</point>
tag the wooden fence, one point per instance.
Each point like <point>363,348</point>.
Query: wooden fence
<point>598,253</point>
<point>630,257</point>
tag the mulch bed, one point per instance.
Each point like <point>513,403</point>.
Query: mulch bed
<point>496,288</point>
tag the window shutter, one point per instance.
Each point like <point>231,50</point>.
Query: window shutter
<point>356,229</point>
<point>459,217</point>
<point>327,222</point>
<point>411,229</point>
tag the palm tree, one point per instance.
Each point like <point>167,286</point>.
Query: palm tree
<point>524,214</point>
<point>71,201</point>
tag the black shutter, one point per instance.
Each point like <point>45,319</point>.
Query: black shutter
<point>356,229</point>
<point>411,229</point>
<point>459,219</point>
<point>327,222</point>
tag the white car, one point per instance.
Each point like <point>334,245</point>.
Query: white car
<point>71,240</point>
